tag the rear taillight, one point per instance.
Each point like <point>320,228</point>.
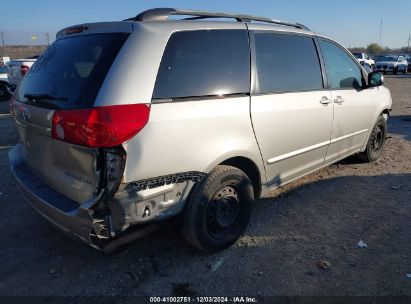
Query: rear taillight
<point>100,127</point>
<point>24,69</point>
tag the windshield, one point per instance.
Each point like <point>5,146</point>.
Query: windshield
<point>357,55</point>
<point>71,71</point>
<point>388,58</point>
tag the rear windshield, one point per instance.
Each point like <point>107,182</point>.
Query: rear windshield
<point>70,73</point>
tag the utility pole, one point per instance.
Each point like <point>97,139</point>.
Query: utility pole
<point>381,33</point>
<point>2,42</point>
<point>48,38</point>
<point>408,46</point>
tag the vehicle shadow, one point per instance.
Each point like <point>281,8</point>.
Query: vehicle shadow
<point>288,233</point>
<point>400,125</point>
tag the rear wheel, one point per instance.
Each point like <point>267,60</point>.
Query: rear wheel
<point>218,210</point>
<point>376,141</point>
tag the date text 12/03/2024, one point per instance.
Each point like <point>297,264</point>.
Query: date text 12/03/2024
<point>240,299</point>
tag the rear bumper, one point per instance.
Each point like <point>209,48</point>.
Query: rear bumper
<point>69,216</point>
<point>76,220</point>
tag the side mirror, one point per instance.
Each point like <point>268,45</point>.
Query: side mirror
<point>375,79</point>
<point>362,63</point>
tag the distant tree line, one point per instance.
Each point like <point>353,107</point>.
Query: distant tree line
<point>375,48</point>
<point>21,51</point>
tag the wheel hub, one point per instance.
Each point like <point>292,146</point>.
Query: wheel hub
<point>377,138</point>
<point>223,209</point>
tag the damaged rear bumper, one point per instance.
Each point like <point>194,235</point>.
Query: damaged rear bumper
<point>113,217</point>
<point>68,215</point>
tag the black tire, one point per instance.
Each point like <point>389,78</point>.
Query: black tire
<point>218,209</point>
<point>4,94</point>
<point>376,141</point>
<point>405,71</point>
<point>395,71</point>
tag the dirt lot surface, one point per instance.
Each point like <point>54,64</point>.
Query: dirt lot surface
<point>320,217</point>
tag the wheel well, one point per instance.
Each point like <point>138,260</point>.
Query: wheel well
<point>386,111</point>
<point>386,114</point>
<point>248,167</point>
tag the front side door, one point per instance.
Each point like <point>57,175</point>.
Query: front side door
<point>353,105</point>
<point>290,109</point>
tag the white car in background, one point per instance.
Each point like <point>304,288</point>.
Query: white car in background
<point>363,58</point>
<point>392,63</point>
<point>4,83</point>
<point>17,68</point>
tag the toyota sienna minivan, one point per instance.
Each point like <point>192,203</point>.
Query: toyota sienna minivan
<point>185,114</point>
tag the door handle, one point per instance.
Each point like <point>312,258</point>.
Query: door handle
<point>339,100</point>
<point>325,100</point>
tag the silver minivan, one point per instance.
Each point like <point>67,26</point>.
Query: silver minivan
<point>125,124</point>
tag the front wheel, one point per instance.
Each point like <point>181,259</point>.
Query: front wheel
<point>376,141</point>
<point>395,71</point>
<point>404,71</point>
<point>218,210</point>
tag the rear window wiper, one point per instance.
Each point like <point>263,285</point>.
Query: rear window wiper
<point>36,97</point>
<point>45,100</point>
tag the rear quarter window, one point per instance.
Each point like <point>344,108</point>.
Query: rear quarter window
<point>204,63</point>
<point>73,70</point>
<point>286,63</point>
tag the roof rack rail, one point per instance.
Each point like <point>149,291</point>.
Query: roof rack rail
<point>162,14</point>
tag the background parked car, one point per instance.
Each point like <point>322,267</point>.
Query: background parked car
<point>17,69</point>
<point>408,58</point>
<point>363,58</point>
<point>392,64</point>
<point>4,83</point>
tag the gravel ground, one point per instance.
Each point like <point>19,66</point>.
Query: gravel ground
<point>319,217</point>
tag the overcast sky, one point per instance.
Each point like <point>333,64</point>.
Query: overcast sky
<point>351,22</point>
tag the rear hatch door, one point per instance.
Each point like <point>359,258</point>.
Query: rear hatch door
<point>67,76</point>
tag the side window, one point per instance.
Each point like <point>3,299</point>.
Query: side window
<point>286,63</point>
<point>342,71</point>
<point>204,63</point>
